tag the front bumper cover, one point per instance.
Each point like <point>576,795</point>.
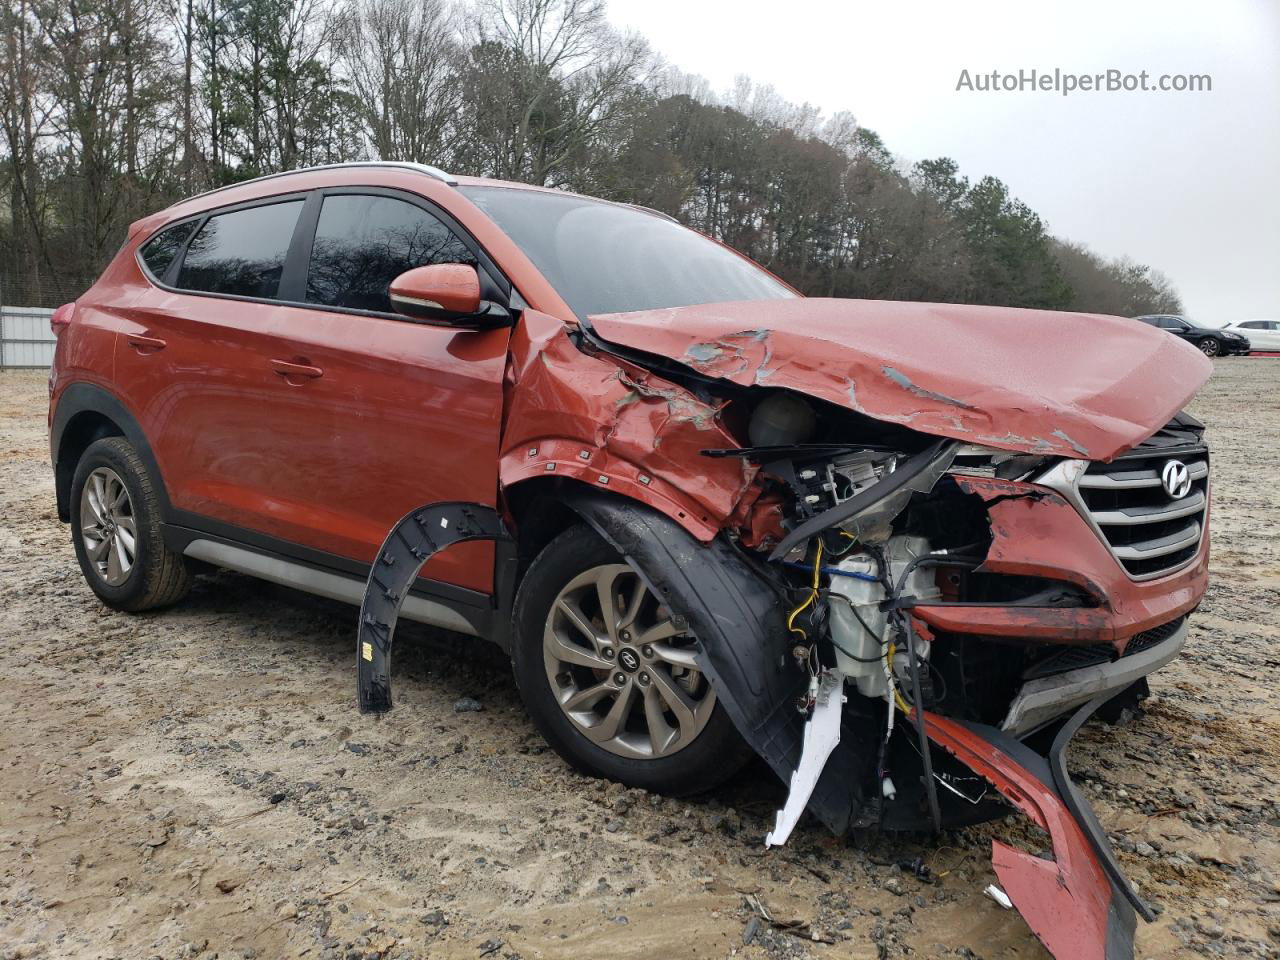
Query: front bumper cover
<point>1079,905</point>
<point>1045,699</point>
<point>1035,532</point>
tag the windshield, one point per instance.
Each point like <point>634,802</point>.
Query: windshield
<point>606,258</point>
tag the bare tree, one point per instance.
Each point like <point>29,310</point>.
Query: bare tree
<point>400,59</point>
<point>25,112</point>
<point>109,108</point>
<point>544,80</point>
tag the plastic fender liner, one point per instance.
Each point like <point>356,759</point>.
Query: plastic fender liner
<point>418,536</point>
<point>742,647</point>
<point>1079,904</point>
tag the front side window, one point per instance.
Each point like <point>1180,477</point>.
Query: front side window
<point>608,258</point>
<point>160,250</point>
<point>364,242</point>
<point>241,252</point>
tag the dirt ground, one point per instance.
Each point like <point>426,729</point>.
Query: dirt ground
<point>198,783</point>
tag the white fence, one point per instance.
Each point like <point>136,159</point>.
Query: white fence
<point>25,338</point>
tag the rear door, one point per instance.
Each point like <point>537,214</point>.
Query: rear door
<point>1266,337</point>
<point>378,414</point>
<point>191,359</point>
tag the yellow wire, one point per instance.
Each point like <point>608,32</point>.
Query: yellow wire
<point>897,696</point>
<point>813,594</point>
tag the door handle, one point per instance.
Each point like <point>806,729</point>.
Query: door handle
<point>290,370</point>
<point>145,345</point>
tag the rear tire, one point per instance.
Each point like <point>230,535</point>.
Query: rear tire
<point>117,533</point>
<point>620,700</point>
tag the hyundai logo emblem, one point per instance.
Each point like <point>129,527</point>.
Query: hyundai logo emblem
<point>629,660</point>
<point>1176,479</point>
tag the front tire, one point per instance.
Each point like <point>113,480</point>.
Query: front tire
<point>608,676</point>
<point>1210,347</point>
<point>116,530</point>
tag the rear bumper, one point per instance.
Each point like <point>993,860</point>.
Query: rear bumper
<point>1042,700</point>
<point>1036,532</point>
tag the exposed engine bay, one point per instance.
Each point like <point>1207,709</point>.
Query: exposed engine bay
<point>907,599</point>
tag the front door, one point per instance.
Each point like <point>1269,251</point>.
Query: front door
<point>373,414</point>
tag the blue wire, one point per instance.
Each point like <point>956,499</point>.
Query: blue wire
<point>833,571</point>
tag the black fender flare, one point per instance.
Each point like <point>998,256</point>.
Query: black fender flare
<point>744,650</point>
<point>418,536</point>
<point>83,397</point>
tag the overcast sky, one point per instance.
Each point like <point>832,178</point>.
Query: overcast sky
<point>1186,182</point>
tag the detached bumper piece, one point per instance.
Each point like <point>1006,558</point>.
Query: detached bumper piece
<point>1079,904</point>
<point>413,541</point>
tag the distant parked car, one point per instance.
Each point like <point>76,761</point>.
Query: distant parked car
<point>1263,335</point>
<point>1212,342</point>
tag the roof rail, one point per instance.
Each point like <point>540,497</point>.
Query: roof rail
<point>425,168</point>
<point>652,210</point>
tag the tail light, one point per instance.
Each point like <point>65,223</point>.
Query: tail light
<point>61,318</point>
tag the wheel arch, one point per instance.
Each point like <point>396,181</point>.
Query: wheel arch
<point>539,512</point>
<point>736,614</point>
<point>84,413</point>
<point>540,508</point>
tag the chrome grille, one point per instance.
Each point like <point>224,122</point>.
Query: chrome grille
<point>1149,532</point>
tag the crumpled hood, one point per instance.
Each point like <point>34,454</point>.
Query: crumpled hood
<point>1034,381</point>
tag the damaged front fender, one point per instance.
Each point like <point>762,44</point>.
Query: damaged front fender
<point>607,423</point>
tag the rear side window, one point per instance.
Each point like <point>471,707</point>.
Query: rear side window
<point>160,250</point>
<point>241,252</point>
<point>364,242</point>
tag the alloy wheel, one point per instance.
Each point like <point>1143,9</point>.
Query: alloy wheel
<point>107,526</point>
<point>621,666</point>
<point>1209,347</point>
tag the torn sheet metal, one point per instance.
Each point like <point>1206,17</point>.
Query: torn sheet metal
<point>1079,905</point>
<point>1035,532</point>
<point>613,425</point>
<point>419,535</point>
<point>1027,380</point>
<point>821,735</point>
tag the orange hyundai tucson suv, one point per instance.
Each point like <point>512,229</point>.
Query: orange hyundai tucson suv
<point>726,506</point>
